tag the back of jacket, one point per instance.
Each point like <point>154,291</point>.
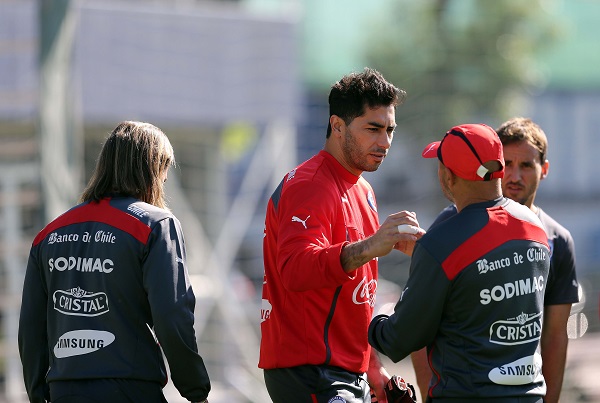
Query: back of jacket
<point>475,299</point>
<point>103,281</point>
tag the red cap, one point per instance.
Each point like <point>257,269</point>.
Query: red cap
<point>465,148</point>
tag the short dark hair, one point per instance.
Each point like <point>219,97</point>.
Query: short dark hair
<point>349,96</point>
<point>132,162</point>
<point>520,129</point>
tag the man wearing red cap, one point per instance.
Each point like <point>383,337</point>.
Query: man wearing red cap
<point>525,149</point>
<point>475,292</point>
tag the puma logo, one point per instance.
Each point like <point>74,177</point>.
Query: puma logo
<point>296,219</point>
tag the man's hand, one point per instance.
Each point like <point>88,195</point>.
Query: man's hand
<point>382,242</point>
<point>406,244</point>
<point>402,241</point>
<point>377,377</point>
<point>407,230</point>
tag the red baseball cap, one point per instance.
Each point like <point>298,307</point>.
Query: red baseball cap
<point>465,148</point>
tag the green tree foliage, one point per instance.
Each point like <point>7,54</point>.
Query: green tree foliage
<point>461,60</point>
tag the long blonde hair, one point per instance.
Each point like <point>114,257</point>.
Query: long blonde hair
<point>133,162</point>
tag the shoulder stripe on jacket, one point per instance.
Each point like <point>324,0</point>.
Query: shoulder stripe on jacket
<point>501,227</point>
<point>99,212</point>
<point>277,194</point>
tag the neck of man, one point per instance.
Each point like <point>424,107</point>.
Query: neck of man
<point>471,192</point>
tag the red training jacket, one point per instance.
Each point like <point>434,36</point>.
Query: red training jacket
<point>312,311</point>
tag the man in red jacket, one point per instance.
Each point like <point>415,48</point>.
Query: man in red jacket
<point>321,244</point>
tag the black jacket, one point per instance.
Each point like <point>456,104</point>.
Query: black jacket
<point>104,281</point>
<point>475,298</point>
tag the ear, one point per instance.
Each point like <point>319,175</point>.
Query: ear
<point>452,179</point>
<point>545,169</point>
<point>337,124</point>
<point>445,174</point>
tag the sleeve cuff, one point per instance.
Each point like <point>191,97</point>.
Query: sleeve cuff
<point>333,258</point>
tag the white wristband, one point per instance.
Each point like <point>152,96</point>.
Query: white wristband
<point>408,229</point>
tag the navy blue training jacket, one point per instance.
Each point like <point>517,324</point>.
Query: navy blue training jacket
<point>475,298</point>
<point>106,282</point>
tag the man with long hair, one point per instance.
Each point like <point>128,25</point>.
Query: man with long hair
<point>107,281</point>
